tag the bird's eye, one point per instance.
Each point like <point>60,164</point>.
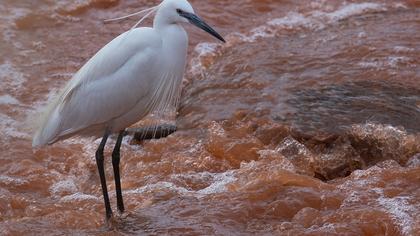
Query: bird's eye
<point>179,11</point>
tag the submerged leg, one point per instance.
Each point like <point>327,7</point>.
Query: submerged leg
<point>100,163</point>
<point>116,166</point>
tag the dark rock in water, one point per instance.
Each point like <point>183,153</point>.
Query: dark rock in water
<point>153,132</point>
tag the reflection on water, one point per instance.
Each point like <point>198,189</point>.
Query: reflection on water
<point>304,123</point>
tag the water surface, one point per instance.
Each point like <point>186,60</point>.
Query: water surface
<point>306,122</point>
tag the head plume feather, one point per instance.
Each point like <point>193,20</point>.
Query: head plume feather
<point>147,13</point>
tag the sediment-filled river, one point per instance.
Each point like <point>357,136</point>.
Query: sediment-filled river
<point>306,122</point>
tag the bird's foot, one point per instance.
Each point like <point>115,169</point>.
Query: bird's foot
<point>111,222</point>
<point>123,215</point>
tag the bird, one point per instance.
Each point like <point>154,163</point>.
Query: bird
<point>135,74</point>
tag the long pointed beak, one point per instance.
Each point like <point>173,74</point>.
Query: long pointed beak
<point>197,21</point>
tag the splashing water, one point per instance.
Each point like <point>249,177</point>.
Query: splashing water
<point>304,123</point>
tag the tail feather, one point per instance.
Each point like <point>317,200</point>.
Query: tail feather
<point>49,131</point>
<point>48,123</point>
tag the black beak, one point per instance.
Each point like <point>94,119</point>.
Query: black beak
<point>195,20</point>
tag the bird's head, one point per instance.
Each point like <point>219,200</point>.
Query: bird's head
<point>170,9</point>
<point>181,11</point>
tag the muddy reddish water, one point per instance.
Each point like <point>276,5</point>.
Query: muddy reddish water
<point>306,122</point>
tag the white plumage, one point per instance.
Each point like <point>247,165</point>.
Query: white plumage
<point>136,73</point>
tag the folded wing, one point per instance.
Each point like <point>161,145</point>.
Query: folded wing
<point>106,87</point>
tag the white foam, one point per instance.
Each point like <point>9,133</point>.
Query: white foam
<point>314,20</point>
<point>371,64</point>
<point>202,50</point>
<point>361,35</point>
<point>393,62</point>
<point>351,199</point>
<point>217,129</point>
<point>293,20</point>
<point>198,147</point>
<point>78,197</point>
<point>8,100</point>
<point>5,194</point>
<point>65,186</point>
<point>158,186</point>
<point>10,77</point>
<point>403,49</point>
<point>402,212</point>
<point>12,180</point>
<point>219,184</point>
<point>39,45</point>
<point>284,163</point>
<point>366,130</point>
<point>324,228</point>
<point>361,178</point>
<point>291,143</point>
<point>354,9</point>
<point>8,18</point>
<point>414,161</point>
<point>88,144</point>
<point>259,32</point>
<point>400,5</point>
<point>322,4</point>
<point>16,13</point>
<point>9,129</point>
<point>400,208</point>
<point>205,48</point>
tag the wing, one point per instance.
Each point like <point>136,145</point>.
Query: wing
<point>107,86</point>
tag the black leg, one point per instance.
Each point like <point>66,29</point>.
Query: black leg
<point>116,166</point>
<point>100,163</point>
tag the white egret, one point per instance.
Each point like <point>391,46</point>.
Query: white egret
<point>135,74</point>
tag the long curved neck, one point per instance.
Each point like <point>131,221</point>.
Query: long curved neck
<point>174,46</point>
<point>174,40</point>
<point>174,43</point>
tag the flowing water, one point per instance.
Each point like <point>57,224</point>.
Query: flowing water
<point>306,122</point>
